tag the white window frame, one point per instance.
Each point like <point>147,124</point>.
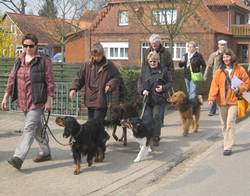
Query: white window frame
<point>123,18</point>
<point>19,49</point>
<point>13,28</point>
<point>164,16</point>
<point>116,46</point>
<point>176,47</point>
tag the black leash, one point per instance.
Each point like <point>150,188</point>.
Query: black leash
<point>44,133</point>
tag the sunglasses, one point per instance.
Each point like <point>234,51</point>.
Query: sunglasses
<point>30,46</point>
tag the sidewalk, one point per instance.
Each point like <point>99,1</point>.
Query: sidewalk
<point>117,175</point>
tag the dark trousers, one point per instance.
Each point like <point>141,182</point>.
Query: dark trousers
<point>213,108</point>
<point>152,118</point>
<point>97,113</point>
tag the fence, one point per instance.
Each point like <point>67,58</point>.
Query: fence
<point>64,74</point>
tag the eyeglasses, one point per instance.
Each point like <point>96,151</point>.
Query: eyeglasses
<point>30,46</point>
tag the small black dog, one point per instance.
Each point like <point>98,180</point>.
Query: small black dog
<point>87,139</point>
<point>143,135</point>
<point>120,113</point>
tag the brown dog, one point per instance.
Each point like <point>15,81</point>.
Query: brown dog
<point>187,110</point>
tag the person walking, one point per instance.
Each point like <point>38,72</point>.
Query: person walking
<point>154,82</point>
<point>214,63</point>
<point>98,76</point>
<point>31,83</point>
<point>192,60</point>
<point>225,94</point>
<point>165,60</point>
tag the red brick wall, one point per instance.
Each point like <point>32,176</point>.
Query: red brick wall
<point>77,48</point>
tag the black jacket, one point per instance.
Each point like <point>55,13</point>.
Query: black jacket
<point>197,62</point>
<point>150,78</point>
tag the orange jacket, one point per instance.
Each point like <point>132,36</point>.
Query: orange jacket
<point>217,90</point>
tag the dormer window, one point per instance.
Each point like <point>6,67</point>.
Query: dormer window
<point>164,16</point>
<point>123,18</point>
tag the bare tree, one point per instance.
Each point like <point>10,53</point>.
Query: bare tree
<point>15,6</point>
<point>247,2</point>
<point>168,15</point>
<point>48,9</point>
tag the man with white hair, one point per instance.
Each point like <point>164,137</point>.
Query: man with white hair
<point>166,62</point>
<point>214,62</point>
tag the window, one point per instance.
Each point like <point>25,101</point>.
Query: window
<point>19,49</point>
<point>116,50</point>
<point>179,49</point>
<point>123,18</point>
<point>164,16</point>
<point>13,28</point>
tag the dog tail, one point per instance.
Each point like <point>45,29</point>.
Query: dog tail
<point>200,99</point>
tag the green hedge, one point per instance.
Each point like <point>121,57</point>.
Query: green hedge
<point>130,77</point>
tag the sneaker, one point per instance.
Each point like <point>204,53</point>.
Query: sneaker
<point>41,158</point>
<point>16,162</point>
<point>227,152</point>
<point>211,114</point>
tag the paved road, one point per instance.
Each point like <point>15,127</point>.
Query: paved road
<point>117,175</point>
<point>211,173</point>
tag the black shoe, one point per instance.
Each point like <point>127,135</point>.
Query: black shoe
<point>16,162</point>
<point>42,158</point>
<point>227,152</point>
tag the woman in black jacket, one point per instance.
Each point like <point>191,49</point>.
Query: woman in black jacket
<point>154,82</point>
<point>195,60</point>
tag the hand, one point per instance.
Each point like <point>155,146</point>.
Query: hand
<point>145,93</point>
<point>48,104</point>
<point>236,90</point>
<point>107,88</point>
<point>210,103</point>
<point>4,104</point>
<point>158,88</point>
<point>4,101</point>
<point>72,94</point>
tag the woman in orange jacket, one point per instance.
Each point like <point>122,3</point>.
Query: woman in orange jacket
<point>224,92</point>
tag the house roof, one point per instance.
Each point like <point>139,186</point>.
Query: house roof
<point>211,20</point>
<point>44,28</point>
<point>237,3</point>
<point>88,18</point>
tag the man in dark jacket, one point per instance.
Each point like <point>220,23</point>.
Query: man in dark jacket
<point>98,77</point>
<point>165,60</point>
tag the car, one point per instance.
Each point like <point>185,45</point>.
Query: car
<point>57,58</point>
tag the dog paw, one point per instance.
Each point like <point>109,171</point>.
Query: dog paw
<point>150,149</point>
<point>90,163</point>
<point>137,160</point>
<point>76,172</point>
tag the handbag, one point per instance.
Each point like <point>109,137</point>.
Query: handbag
<point>196,77</point>
<point>243,107</point>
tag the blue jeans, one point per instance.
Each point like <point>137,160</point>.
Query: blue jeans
<point>191,88</point>
<point>213,108</point>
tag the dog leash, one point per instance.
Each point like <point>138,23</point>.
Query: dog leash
<point>109,105</point>
<point>144,102</point>
<point>44,133</point>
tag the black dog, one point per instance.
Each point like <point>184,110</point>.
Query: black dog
<point>120,113</point>
<point>87,139</point>
<point>143,135</point>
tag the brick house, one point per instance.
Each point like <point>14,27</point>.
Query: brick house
<point>43,27</point>
<point>126,39</point>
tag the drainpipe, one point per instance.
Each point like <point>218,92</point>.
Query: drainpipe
<point>228,18</point>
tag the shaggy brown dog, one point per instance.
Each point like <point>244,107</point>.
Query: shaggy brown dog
<point>187,109</point>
